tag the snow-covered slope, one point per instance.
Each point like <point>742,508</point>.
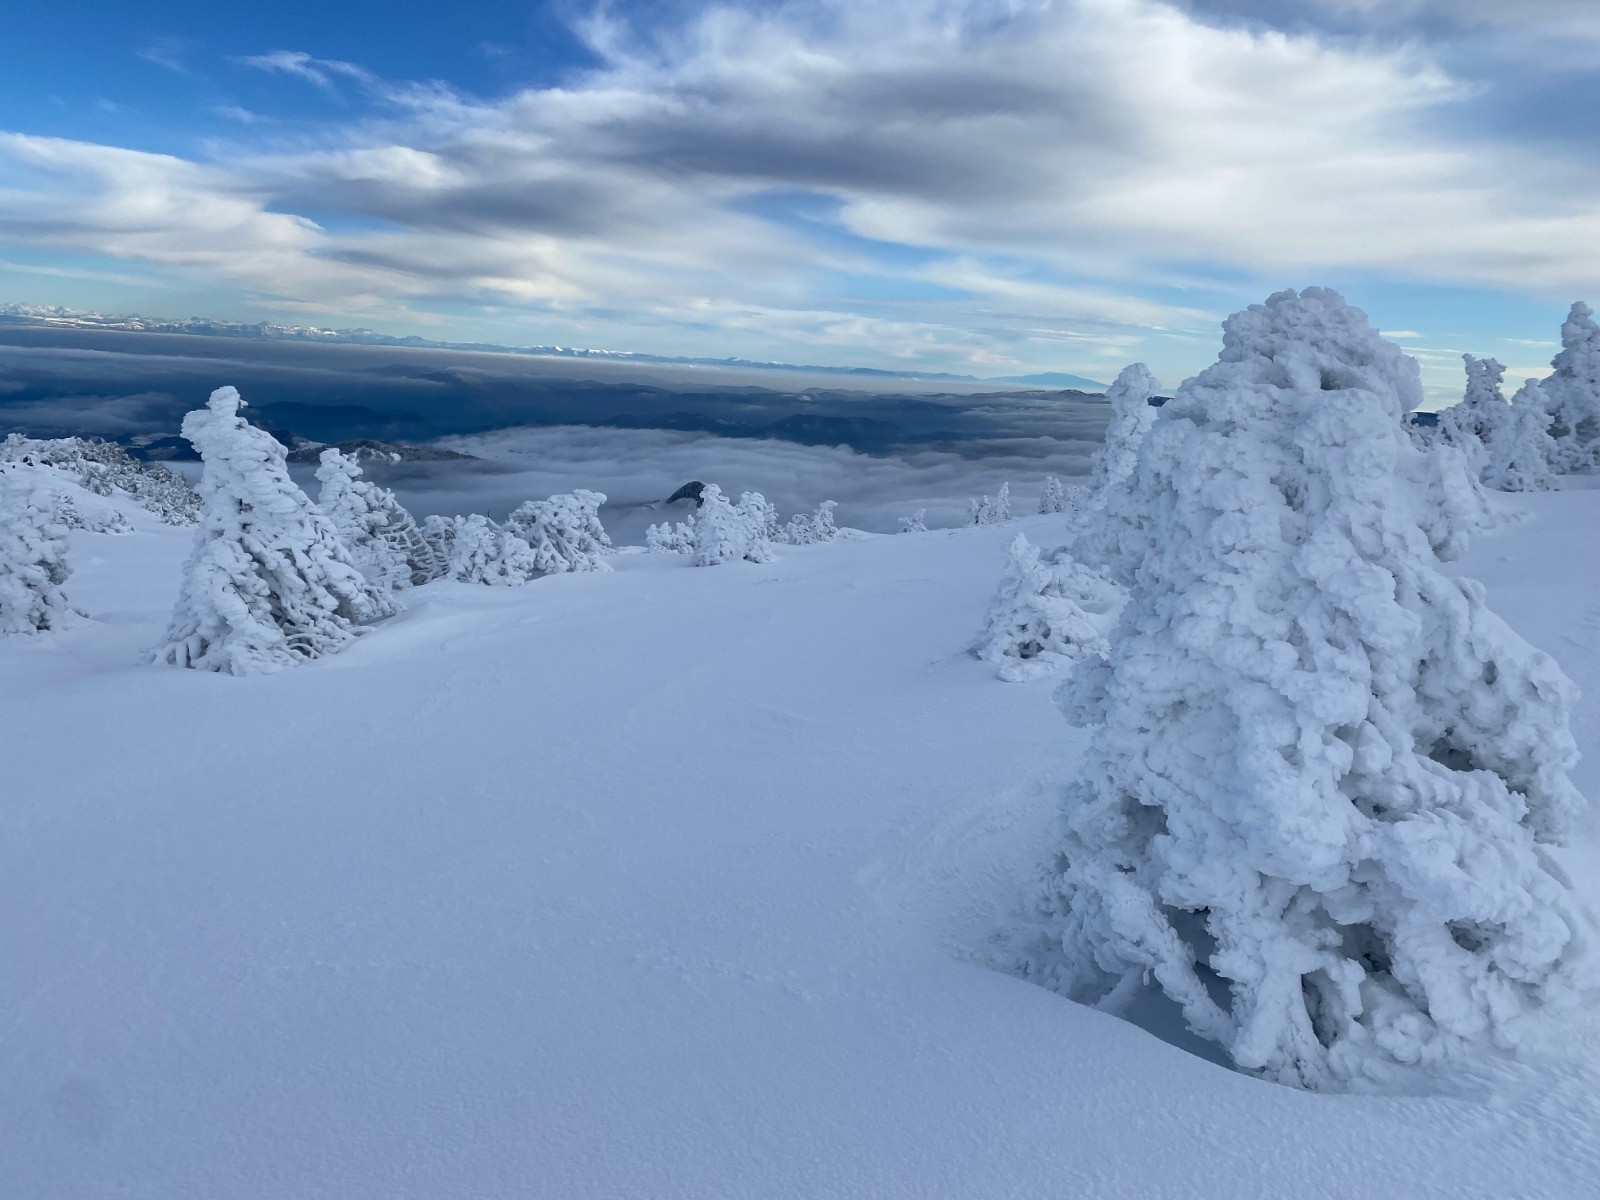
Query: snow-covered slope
<point>666,882</point>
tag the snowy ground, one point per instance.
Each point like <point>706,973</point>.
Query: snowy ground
<point>664,883</point>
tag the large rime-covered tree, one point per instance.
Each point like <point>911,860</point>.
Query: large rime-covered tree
<point>382,537</point>
<point>1572,393</point>
<point>268,584</point>
<point>1519,452</point>
<point>33,558</point>
<point>724,532</point>
<point>564,531</point>
<point>1044,615</point>
<point>1316,805</point>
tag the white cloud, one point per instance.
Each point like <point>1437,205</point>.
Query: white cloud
<point>1054,171</point>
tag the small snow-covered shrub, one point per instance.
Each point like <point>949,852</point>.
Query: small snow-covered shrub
<point>1044,615</point>
<point>667,538</point>
<point>104,468</point>
<point>101,519</point>
<point>268,584</point>
<point>990,510</point>
<point>33,559</point>
<point>1315,804</point>
<point>564,532</point>
<point>483,552</point>
<point>1520,451</point>
<point>1572,394</point>
<point>805,529</point>
<point>724,533</point>
<point>914,523</point>
<point>1053,499</point>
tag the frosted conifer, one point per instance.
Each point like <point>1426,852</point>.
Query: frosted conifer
<point>723,533</point>
<point>667,538</point>
<point>914,523</point>
<point>1572,394</point>
<point>1054,498</point>
<point>1315,806</point>
<point>1131,417</point>
<point>383,540</point>
<point>33,559</point>
<point>762,515</point>
<point>1037,622</point>
<point>805,529</point>
<point>991,510</point>
<point>268,584</point>
<point>483,552</point>
<point>564,532</point>
<point>1520,450</point>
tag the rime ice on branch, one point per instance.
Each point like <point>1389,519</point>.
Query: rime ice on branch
<point>1315,807</point>
<point>268,584</point>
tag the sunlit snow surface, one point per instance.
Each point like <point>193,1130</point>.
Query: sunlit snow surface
<point>670,882</point>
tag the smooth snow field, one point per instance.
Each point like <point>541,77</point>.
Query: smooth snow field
<point>671,882</point>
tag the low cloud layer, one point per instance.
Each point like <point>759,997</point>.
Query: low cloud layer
<point>640,468</point>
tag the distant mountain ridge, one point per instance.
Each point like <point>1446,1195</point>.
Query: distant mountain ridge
<point>262,331</point>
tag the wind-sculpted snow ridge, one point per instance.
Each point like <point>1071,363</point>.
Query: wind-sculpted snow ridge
<point>104,468</point>
<point>1316,805</point>
<point>1045,615</point>
<point>268,584</point>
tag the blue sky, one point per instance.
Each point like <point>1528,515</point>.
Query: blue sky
<point>986,186</point>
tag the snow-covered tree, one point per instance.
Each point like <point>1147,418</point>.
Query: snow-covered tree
<point>1053,499</point>
<point>724,533</point>
<point>382,537</point>
<point>762,515</point>
<point>1044,615</point>
<point>483,552</point>
<point>1131,417</point>
<point>1572,393</point>
<point>805,529</point>
<point>1520,450</point>
<point>33,558</point>
<point>564,531</point>
<point>1471,423</point>
<point>914,523</point>
<point>667,538</point>
<point>990,510</point>
<point>1315,807</point>
<point>268,584</point>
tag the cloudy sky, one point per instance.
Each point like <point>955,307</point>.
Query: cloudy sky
<point>985,186</point>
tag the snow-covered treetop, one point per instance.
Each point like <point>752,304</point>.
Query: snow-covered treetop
<point>1131,415</point>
